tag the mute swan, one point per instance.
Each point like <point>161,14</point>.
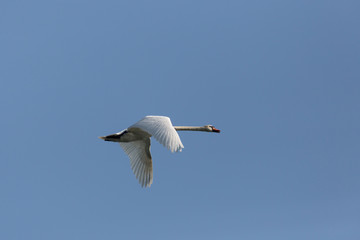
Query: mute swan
<point>135,141</point>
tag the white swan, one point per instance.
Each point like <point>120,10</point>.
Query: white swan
<point>135,141</point>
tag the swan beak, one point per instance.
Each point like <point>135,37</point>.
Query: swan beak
<point>103,138</point>
<point>216,130</point>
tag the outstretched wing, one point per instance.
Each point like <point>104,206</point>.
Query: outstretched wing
<point>140,160</point>
<point>162,130</point>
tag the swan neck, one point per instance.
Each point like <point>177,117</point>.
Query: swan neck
<point>189,128</point>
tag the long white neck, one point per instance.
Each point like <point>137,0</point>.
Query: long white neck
<point>189,128</point>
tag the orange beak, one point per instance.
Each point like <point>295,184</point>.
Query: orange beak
<point>216,130</point>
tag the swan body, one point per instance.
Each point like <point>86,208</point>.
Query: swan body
<point>135,140</point>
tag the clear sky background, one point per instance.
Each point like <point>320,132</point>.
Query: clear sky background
<point>281,79</point>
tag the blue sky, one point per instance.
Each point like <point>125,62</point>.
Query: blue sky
<point>279,78</point>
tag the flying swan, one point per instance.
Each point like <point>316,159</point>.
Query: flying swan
<point>135,140</point>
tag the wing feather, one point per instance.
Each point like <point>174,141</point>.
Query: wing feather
<point>161,128</point>
<point>140,160</point>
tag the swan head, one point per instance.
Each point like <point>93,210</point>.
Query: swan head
<point>211,128</point>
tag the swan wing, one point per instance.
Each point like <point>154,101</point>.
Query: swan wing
<point>161,128</point>
<point>140,160</point>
